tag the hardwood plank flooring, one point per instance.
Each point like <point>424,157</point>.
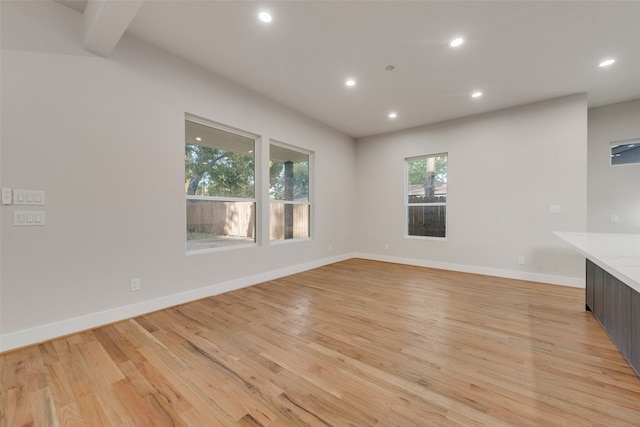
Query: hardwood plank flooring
<point>356,343</point>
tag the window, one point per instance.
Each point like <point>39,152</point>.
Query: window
<point>426,195</point>
<point>625,152</point>
<point>219,169</point>
<point>290,206</point>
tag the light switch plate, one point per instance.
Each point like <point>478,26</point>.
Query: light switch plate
<point>28,197</point>
<point>28,218</point>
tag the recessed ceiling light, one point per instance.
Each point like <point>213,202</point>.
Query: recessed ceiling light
<point>265,17</point>
<point>456,42</point>
<point>198,138</point>
<point>476,94</point>
<point>350,82</point>
<point>607,62</point>
<point>393,115</point>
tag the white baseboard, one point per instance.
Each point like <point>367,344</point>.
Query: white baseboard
<point>487,271</point>
<point>22,338</point>
<point>38,334</point>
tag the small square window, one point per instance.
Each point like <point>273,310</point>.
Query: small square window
<point>625,152</point>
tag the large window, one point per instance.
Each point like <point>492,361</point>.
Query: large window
<point>219,169</point>
<point>426,196</point>
<point>290,206</point>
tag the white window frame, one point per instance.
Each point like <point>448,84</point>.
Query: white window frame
<point>308,203</point>
<point>256,188</point>
<point>407,205</point>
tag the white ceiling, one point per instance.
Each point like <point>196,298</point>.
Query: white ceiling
<point>516,52</point>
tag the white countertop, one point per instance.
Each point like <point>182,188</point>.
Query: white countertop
<point>618,254</point>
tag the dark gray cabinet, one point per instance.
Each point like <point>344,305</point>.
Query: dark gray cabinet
<point>634,359</point>
<point>621,316</point>
<point>617,308</point>
<point>598,293</point>
<point>589,291</point>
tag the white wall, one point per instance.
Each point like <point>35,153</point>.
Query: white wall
<point>104,137</point>
<point>505,169</point>
<point>613,190</point>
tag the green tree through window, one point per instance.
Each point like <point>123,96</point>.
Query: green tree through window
<point>290,205</point>
<point>426,196</point>
<point>215,172</point>
<point>219,183</point>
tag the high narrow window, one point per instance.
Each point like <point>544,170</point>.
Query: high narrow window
<point>219,186</point>
<point>426,196</point>
<point>625,152</point>
<point>290,207</point>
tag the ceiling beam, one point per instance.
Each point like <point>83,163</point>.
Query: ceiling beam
<point>105,21</point>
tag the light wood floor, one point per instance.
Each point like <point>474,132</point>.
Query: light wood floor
<point>357,343</point>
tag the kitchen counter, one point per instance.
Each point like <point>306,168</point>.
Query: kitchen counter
<point>618,254</point>
<point>613,286</point>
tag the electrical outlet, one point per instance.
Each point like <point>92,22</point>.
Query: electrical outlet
<point>520,260</point>
<point>555,209</point>
<point>135,285</point>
